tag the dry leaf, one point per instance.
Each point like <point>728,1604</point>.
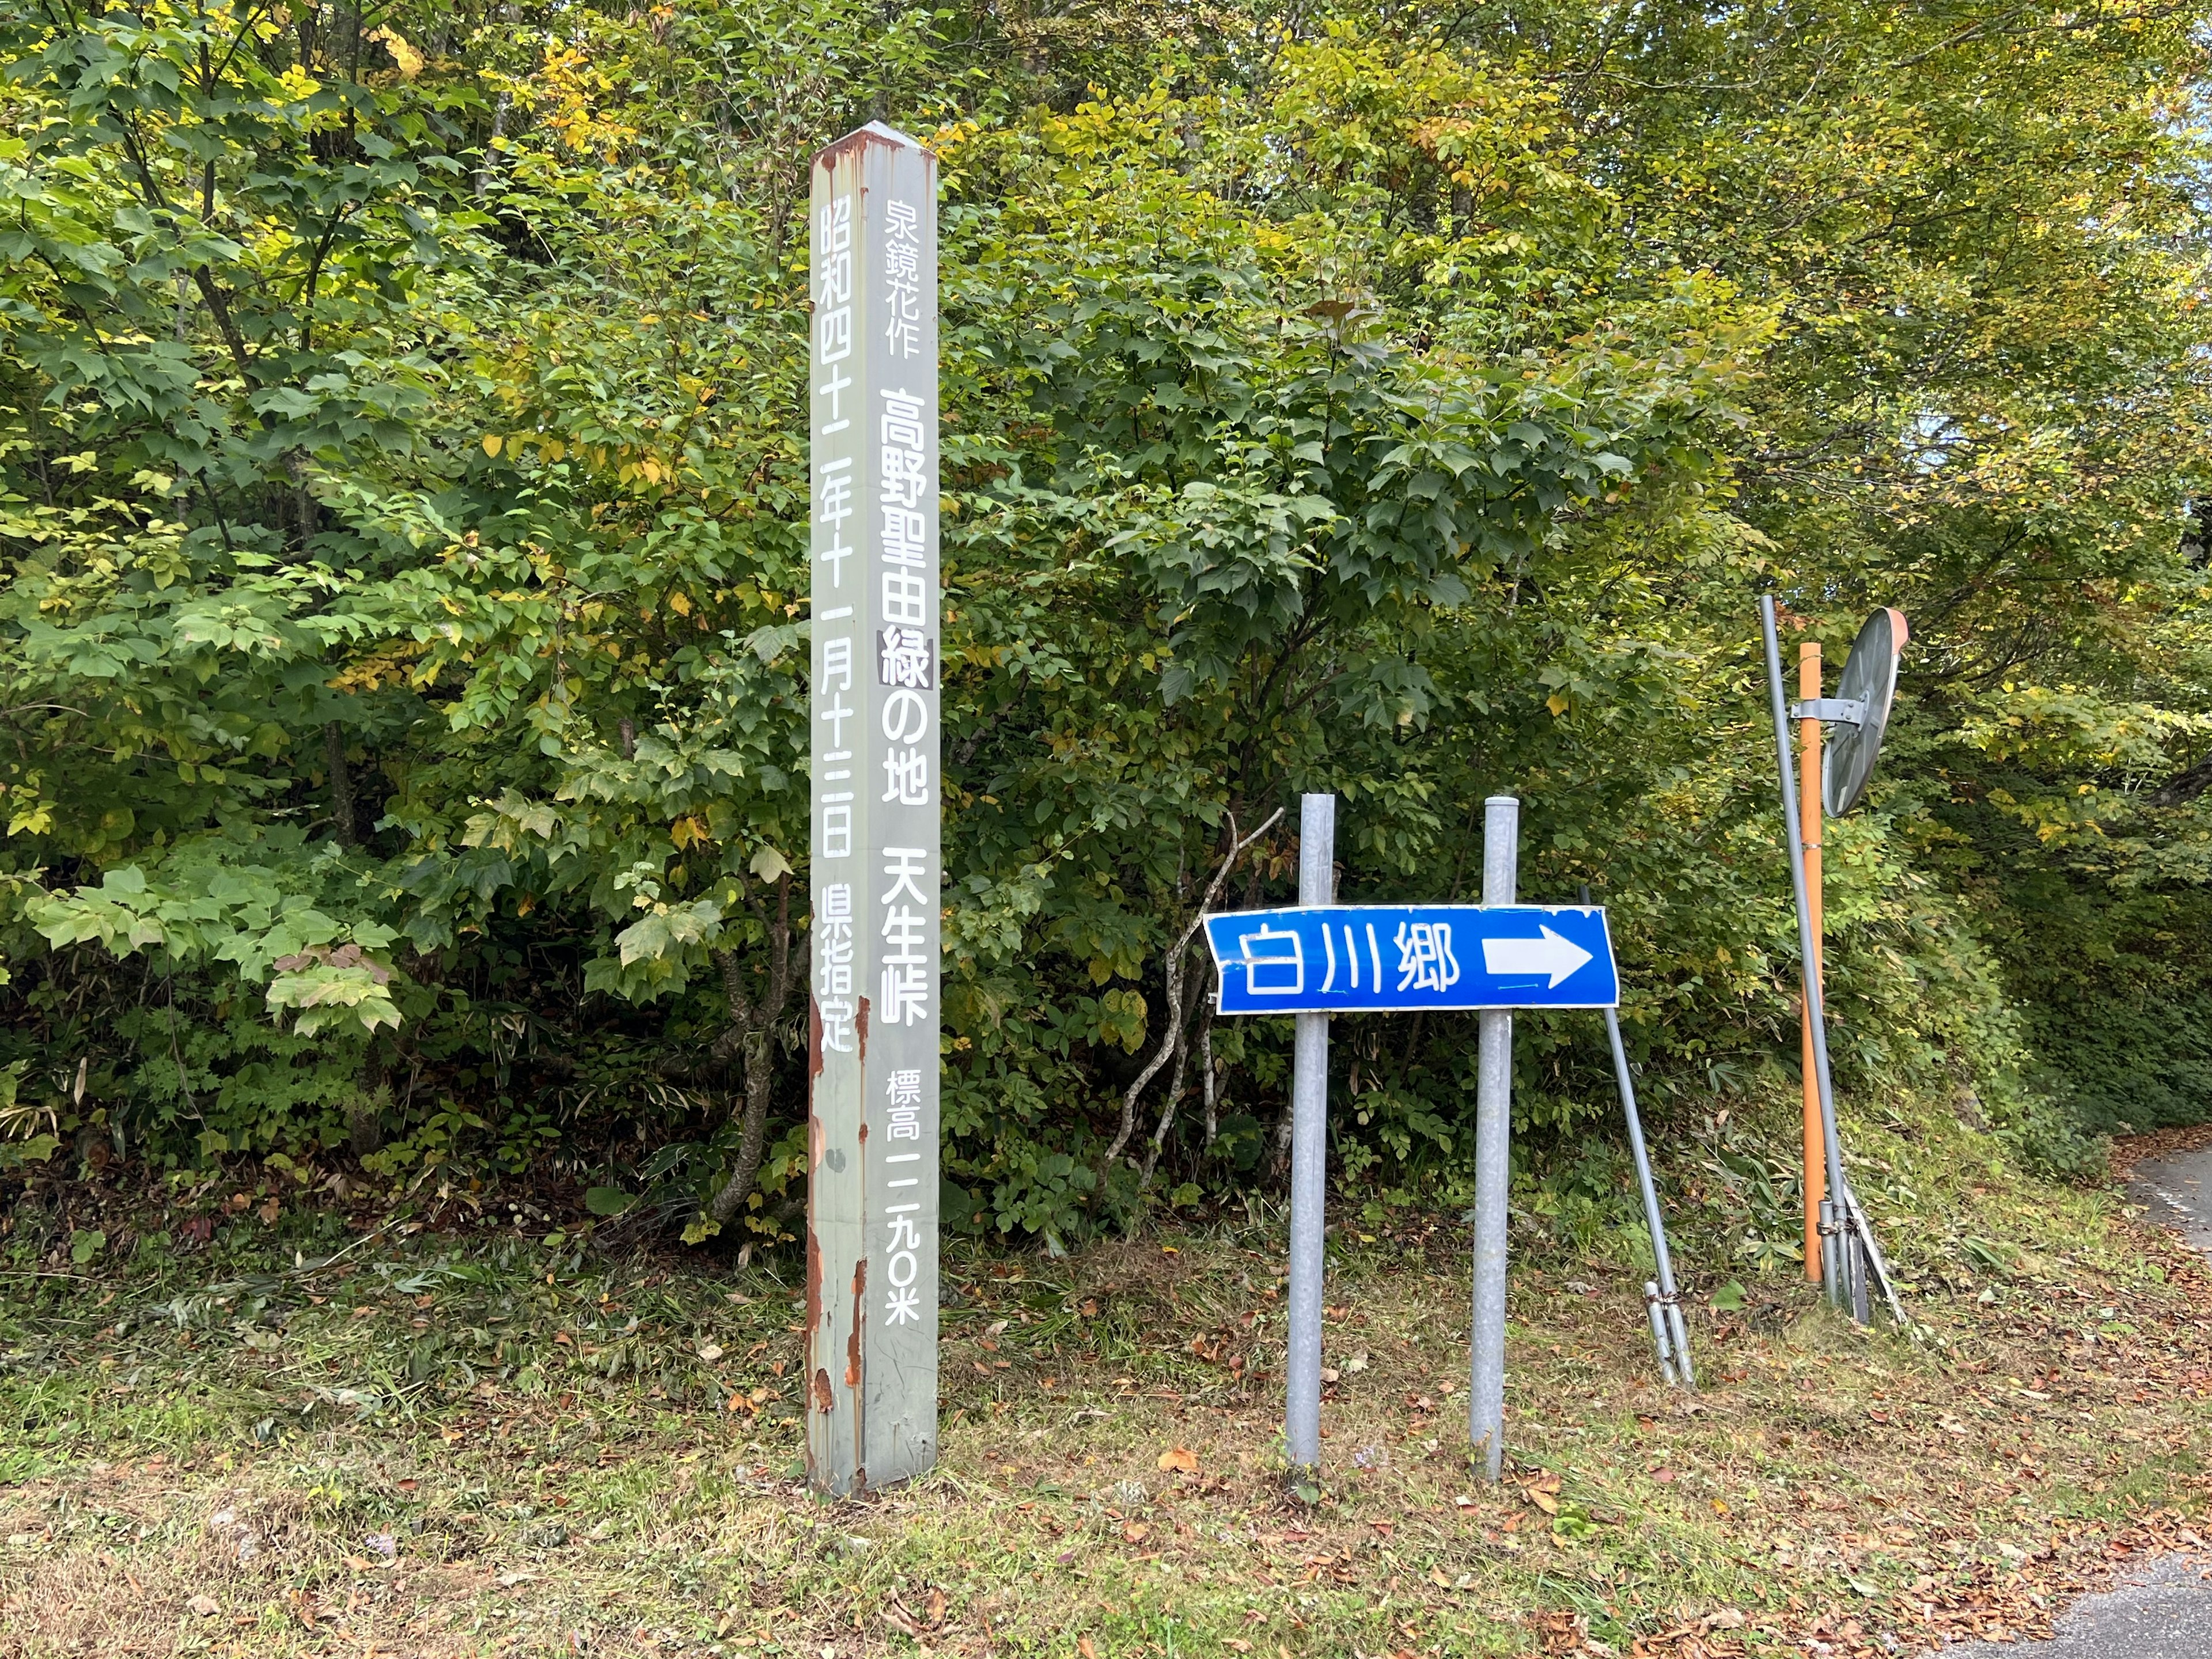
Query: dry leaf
<point>1083,1646</point>
<point>1180,1459</point>
<point>899,1619</point>
<point>1135,1532</point>
<point>1544,1501</point>
<point>203,1605</point>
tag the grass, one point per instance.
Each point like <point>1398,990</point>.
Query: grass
<point>236,1428</point>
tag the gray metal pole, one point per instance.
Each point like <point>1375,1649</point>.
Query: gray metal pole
<point>1660,1252</point>
<point>1493,1126</point>
<point>1308,1162</point>
<point>1815,1008</point>
<point>1832,1234</point>
<point>1676,1324</point>
<point>1659,1337</point>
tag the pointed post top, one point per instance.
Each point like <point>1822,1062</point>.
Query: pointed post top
<point>876,132</point>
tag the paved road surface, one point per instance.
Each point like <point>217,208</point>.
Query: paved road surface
<point>2164,1611</point>
<point>2178,1190</point>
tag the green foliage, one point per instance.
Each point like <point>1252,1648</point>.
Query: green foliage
<point>402,570</point>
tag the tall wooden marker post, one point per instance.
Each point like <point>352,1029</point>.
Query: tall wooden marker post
<point>871,1146</point>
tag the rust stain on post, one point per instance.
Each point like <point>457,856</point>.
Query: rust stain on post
<point>813,1261</point>
<point>860,1313</point>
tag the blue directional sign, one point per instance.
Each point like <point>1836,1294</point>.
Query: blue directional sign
<point>1394,958</point>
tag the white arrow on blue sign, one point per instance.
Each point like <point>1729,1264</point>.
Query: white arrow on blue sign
<point>1394,958</point>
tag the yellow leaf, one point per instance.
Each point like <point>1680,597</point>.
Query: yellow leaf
<point>680,602</point>
<point>491,443</point>
<point>409,60</point>
<point>1556,703</point>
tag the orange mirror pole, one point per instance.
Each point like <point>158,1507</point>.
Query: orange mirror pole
<point>1812,822</point>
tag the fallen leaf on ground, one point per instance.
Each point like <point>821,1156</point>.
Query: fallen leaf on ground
<point>1180,1459</point>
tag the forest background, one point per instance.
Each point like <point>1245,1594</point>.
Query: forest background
<point>402,503</point>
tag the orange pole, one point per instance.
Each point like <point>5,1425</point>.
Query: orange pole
<point>1811,823</point>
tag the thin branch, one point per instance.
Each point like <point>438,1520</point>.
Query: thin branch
<point>1172,1041</point>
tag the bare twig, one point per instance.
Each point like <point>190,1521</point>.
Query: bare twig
<point>1172,1042</point>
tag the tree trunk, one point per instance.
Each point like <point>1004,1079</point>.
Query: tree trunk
<point>334,760</point>
<point>751,1035</point>
<point>365,1110</point>
<point>752,1136</point>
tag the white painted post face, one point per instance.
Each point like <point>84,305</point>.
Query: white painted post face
<point>871,1193</point>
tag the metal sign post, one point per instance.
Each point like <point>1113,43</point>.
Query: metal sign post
<point>1662,1301</point>
<point>1850,1256</point>
<point>1493,1128</point>
<point>1815,1012</point>
<point>873,1130</point>
<point>1324,958</point>
<point>1308,1157</point>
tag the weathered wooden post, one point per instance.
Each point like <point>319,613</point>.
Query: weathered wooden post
<point>873,1150</point>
